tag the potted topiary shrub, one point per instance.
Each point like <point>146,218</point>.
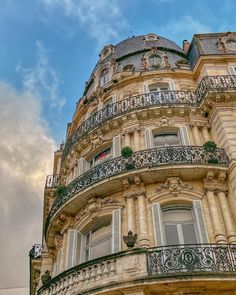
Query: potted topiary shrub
<point>127,153</point>
<point>213,160</point>
<point>210,146</point>
<point>60,190</point>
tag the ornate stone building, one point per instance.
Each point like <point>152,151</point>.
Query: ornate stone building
<point>176,109</point>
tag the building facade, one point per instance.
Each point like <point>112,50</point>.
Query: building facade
<point>160,220</point>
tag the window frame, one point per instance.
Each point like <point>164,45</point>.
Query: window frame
<point>166,132</point>
<point>104,77</point>
<point>92,162</point>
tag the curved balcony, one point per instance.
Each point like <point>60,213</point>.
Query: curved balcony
<point>171,262</point>
<point>156,157</point>
<point>154,99</point>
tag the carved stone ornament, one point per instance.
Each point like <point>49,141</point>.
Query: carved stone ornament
<point>164,122</point>
<point>133,190</point>
<point>94,206</point>
<point>58,241</point>
<point>130,239</point>
<point>216,183</point>
<point>65,222</point>
<point>174,185</point>
<point>227,43</point>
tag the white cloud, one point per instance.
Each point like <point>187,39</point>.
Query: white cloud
<point>42,80</point>
<point>26,152</point>
<point>101,18</point>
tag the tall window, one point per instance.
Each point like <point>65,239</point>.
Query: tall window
<point>98,241</point>
<point>179,227</point>
<point>101,157</point>
<point>104,77</point>
<point>166,139</point>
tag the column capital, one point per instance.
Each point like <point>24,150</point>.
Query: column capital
<point>215,184</point>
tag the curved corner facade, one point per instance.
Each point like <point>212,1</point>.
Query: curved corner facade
<point>142,199</point>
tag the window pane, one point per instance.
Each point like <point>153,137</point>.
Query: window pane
<point>189,234</point>
<point>105,155</point>
<point>101,249</point>
<point>100,233</point>
<point>177,215</point>
<point>171,234</point>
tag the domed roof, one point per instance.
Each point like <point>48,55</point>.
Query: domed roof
<point>142,42</point>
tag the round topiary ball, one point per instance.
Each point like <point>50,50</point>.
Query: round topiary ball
<point>126,152</point>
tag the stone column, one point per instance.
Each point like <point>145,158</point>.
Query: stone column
<point>205,134</point>
<point>143,230</point>
<point>211,184</point>
<point>127,139</point>
<point>130,213</point>
<point>227,216</point>
<point>215,216</point>
<point>196,135</point>
<point>136,141</point>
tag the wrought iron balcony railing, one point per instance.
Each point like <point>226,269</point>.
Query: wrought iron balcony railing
<point>172,155</point>
<point>161,98</point>
<point>160,262</point>
<point>36,251</point>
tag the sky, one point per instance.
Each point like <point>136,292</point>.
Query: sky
<point>48,49</point>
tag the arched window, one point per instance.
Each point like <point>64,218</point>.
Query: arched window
<point>104,77</point>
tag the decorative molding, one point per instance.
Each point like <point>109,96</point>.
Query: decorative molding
<point>133,190</point>
<point>164,122</point>
<point>65,222</point>
<point>227,43</point>
<point>58,239</point>
<point>215,183</point>
<point>175,185</point>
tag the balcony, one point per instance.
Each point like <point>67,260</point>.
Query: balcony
<point>152,265</point>
<point>148,100</point>
<point>36,251</point>
<point>145,159</point>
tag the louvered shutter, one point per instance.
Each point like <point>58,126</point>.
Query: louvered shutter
<point>158,224</point>
<point>83,166</point>
<point>232,70</point>
<point>116,230</point>
<point>116,149</point>
<point>199,221</point>
<point>58,262</point>
<point>148,139</point>
<point>184,137</point>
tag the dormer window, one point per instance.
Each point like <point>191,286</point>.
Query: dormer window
<point>155,61</point>
<point>150,37</point>
<point>104,77</point>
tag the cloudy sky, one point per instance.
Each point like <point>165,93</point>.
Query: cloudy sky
<point>47,51</point>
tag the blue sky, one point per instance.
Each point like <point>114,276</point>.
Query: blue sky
<point>47,51</point>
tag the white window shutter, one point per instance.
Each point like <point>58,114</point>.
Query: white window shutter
<point>73,248</point>
<point>58,262</point>
<point>184,136</point>
<point>199,221</point>
<point>116,146</point>
<point>232,70</point>
<point>83,166</point>
<point>148,139</point>
<point>158,224</point>
<point>116,230</point>
<point>113,99</point>
<point>100,105</point>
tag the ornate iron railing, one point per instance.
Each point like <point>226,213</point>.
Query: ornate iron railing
<point>162,262</point>
<point>52,181</point>
<point>147,100</point>
<point>36,251</point>
<point>142,159</point>
<point>189,259</point>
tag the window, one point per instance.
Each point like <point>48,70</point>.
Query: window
<point>104,77</point>
<point>163,86</point>
<point>101,157</point>
<point>98,242</point>
<point>179,227</point>
<point>166,139</point>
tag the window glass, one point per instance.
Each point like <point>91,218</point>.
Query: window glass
<point>101,157</point>
<point>98,241</point>
<point>163,139</point>
<point>155,60</point>
<point>179,227</point>
<point>104,78</point>
<point>158,87</point>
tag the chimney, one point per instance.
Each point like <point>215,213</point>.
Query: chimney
<point>186,45</point>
